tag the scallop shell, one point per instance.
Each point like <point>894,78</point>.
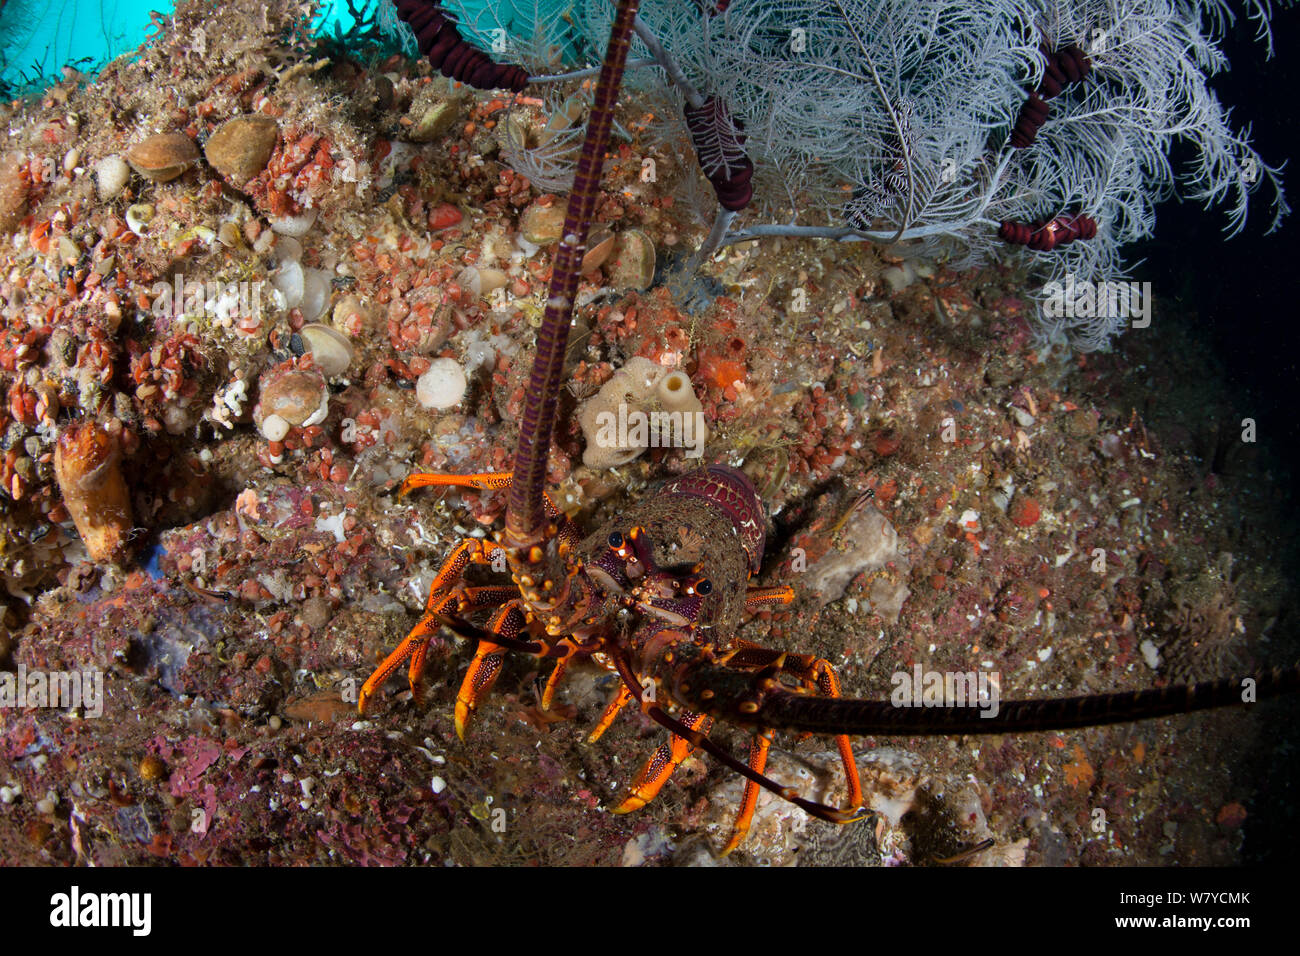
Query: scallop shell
<point>315,294</point>
<point>298,396</point>
<point>482,281</point>
<point>163,156</point>
<point>241,147</point>
<point>351,316</point>
<point>290,280</point>
<point>329,349</point>
<point>295,226</point>
<point>633,262</point>
<point>599,248</point>
<point>288,249</point>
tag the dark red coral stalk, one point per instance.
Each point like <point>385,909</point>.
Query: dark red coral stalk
<point>1046,236</point>
<point>439,40</point>
<point>720,147</point>
<point>1064,66</point>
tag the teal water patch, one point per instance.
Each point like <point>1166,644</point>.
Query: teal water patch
<point>38,39</point>
<point>544,23</point>
<point>500,28</point>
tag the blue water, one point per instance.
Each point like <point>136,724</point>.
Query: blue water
<point>37,39</point>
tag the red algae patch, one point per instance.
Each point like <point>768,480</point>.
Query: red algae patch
<point>1025,512</point>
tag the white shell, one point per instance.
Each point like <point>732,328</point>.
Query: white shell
<point>469,279</point>
<point>295,225</point>
<point>139,216</point>
<point>331,351</point>
<point>288,249</point>
<point>318,416</point>
<point>315,294</point>
<point>111,174</point>
<point>289,279</point>
<point>482,281</point>
<point>443,385</point>
<point>274,428</point>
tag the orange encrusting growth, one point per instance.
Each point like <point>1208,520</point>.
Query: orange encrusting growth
<point>89,474</point>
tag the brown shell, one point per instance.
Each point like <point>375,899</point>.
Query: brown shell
<point>88,470</point>
<point>599,247</point>
<point>240,148</point>
<point>632,265</point>
<point>163,156</point>
<point>295,395</point>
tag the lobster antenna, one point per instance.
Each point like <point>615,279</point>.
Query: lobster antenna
<point>826,715</point>
<point>525,512</point>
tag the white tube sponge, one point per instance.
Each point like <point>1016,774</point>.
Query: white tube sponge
<point>631,413</point>
<point>630,386</point>
<point>676,394</point>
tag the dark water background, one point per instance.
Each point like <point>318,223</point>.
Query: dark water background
<point>1243,294</point>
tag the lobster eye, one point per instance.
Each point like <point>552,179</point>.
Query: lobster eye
<point>616,541</point>
<point>704,587</point>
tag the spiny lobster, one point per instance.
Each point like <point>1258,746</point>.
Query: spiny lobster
<point>679,564</point>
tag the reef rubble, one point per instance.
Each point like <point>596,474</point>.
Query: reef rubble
<point>246,317</point>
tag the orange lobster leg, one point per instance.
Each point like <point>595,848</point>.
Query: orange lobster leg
<point>812,672</point>
<point>553,682</point>
<point>620,700</point>
<point>486,665</point>
<point>565,650</point>
<point>445,593</point>
<point>662,763</point>
<point>488,481</point>
<point>483,481</point>
<point>441,599</point>
<point>757,763</point>
<point>829,685</point>
<point>758,598</point>
<point>466,600</point>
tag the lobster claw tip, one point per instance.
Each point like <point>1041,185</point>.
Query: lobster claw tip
<point>629,804</point>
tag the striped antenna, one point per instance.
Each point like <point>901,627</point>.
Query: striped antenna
<point>525,509</point>
<point>824,715</point>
